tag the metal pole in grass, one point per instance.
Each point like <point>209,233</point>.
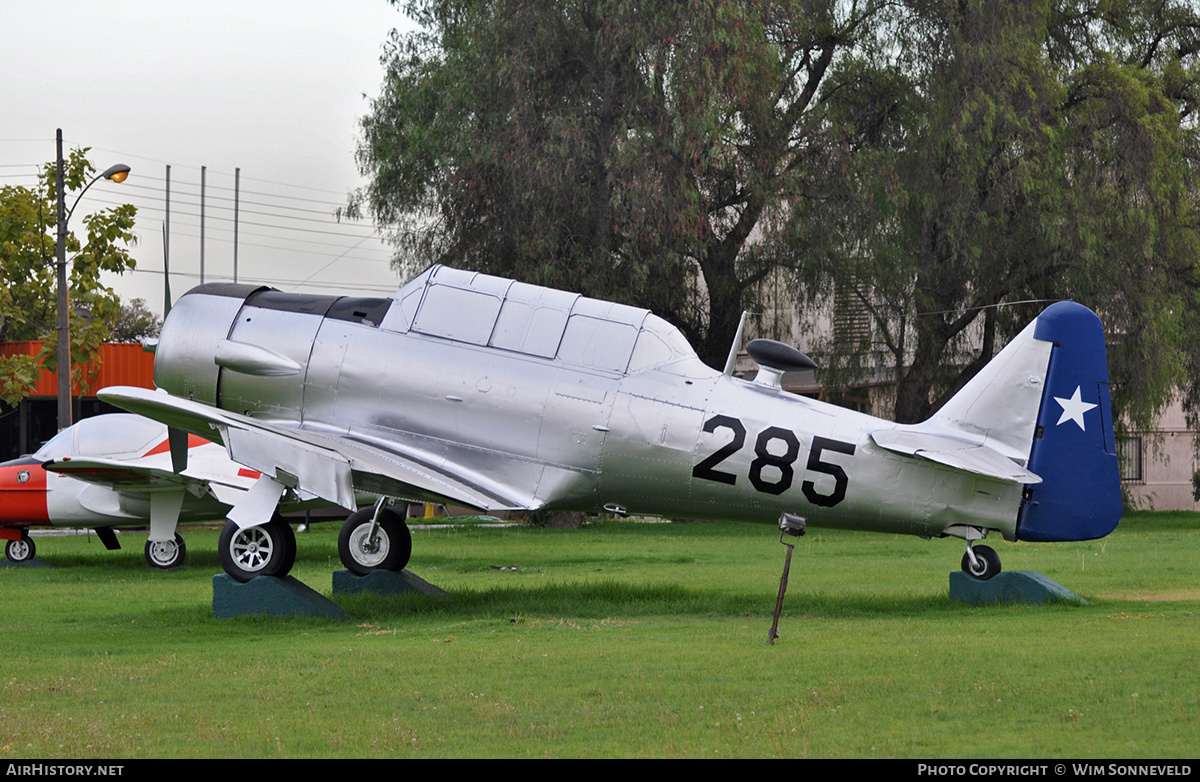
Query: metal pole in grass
<point>793,525</point>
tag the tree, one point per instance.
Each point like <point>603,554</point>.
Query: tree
<point>1002,152</point>
<point>28,223</point>
<point>637,152</point>
<point>930,162</point>
<point>135,322</point>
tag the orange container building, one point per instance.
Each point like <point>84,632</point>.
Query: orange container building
<point>24,428</point>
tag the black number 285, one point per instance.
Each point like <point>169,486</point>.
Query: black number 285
<point>782,462</point>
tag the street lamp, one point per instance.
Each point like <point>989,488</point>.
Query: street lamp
<point>116,173</point>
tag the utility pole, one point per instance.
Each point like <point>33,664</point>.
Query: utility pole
<point>237,189</point>
<point>167,251</point>
<point>203,174</point>
<point>64,330</point>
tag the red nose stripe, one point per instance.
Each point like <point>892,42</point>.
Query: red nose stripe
<point>23,494</point>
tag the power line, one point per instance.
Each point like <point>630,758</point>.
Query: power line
<point>223,199</point>
<point>183,184</point>
<point>272,281</point>
<point>286,249</point>
<point>288,219</point>
<point>197,168</point>
<point>194,187</point>
<point>346,228</point>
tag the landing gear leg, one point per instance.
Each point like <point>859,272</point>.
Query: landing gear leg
<point>982,562</point>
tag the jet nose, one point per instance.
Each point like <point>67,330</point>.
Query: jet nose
<point>23,491</point>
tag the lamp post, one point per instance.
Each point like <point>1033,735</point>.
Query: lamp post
<point>116,173</point>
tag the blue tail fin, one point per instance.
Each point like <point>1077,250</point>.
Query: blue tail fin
<point>1073,446</point>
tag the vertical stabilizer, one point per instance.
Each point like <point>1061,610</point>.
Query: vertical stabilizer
<point>1073,446</point>
<point>1002,402</point>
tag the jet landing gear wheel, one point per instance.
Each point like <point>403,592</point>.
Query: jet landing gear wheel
<point>166,554</point>
<point>389,549</point>
<point>265,550</point>
<point>986,565</point>
<point>20,550</point>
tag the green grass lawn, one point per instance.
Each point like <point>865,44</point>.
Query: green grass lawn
<point>621,639</point>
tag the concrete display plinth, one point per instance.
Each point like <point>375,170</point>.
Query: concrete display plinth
<point>383,582</point>
<point>1019,586</point>
<point>270,596</point>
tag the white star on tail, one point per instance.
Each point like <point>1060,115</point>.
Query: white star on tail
<point>1073,409</point>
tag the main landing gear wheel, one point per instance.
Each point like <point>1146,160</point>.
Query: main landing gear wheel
<point>265,550</point>
<point>20,550</point>
<point>166,554</point>
<point>986,565</point>
<point>389,549</point>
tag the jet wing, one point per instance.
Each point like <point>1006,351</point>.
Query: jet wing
<point>120,475</point>
<point>328,464</point>
<point>130,478</point>
<point>956,453</point>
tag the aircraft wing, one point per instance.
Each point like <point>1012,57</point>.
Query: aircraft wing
<point>328,464</point>
<point>120,475</point>
<point>954,452</point>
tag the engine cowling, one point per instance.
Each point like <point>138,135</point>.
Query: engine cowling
<point>183,359</point>
<point>247,349</point>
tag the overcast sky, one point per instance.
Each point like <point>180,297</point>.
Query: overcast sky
<point>273,87</point>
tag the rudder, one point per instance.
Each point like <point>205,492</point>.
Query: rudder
<point>1074,450</point>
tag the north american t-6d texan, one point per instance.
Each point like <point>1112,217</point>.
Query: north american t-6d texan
<point>504,396</point>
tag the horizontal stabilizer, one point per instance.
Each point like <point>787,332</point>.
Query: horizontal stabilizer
<point>952,452</point>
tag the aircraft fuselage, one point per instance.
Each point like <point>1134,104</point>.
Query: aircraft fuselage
<point>541,415</point>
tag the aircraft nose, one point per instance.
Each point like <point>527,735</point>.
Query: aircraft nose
<point>23,491</point>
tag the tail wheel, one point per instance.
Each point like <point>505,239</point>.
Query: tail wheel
<point>986,564</point>
<point>21,550</point>
<point>166,554</point>
<point>388,549</point>
<point>265,550</point>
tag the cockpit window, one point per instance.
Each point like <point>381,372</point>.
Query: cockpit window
<point>119,435</point>
<point>479,309</point>
<point>116,434</point>
<point>658,343</point>
<point>596,343</point>
<point>532,319</point>
<point>454,313</point>
<point>400,316</point>
<point>56,447</point>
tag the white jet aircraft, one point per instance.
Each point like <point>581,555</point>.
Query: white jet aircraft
<point>116,471</point>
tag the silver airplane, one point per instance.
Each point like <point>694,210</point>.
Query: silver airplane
<point>504,396</point>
